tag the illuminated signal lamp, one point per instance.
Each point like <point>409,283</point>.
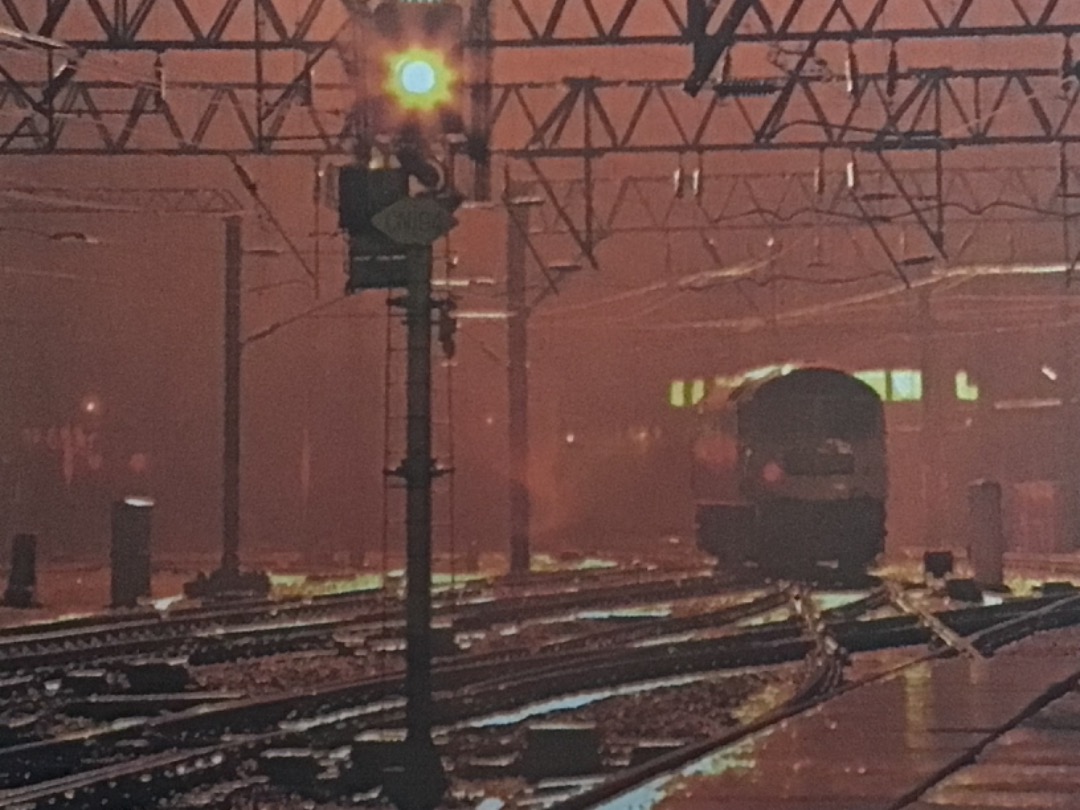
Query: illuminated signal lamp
<point>420,53</point>
<point>419,79</point>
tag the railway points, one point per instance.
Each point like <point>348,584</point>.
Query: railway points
<point>899,741</point>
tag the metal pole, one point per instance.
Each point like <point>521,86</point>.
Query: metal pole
<point>425,782</point>
<point>932,436</point>
<point>260,99</point>
<point>418,468</point>
<point>480,37</point>
<point>1070,361</point>
<point>230,554</point>
<point>1071,425</point>
<point>517,337</point>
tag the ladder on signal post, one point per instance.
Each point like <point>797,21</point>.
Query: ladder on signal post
<point>394,443</point>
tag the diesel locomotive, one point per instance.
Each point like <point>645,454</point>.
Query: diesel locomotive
<point>790,475</point>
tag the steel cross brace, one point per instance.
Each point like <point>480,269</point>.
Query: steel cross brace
<point>715,27</point>
<point>938,109</point>
<point>114,200</point>
<point>159,25</point>
<point>633,203</point>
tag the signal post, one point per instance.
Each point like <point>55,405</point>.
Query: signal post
<point>413,97</point>
<point>390,238</point>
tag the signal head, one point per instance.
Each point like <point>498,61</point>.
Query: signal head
<point>420,79</point>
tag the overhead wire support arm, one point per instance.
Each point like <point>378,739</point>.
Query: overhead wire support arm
<point>249,184</point>
<point>267,331</point>
<point>709,49</point>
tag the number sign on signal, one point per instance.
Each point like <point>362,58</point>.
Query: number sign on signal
<point>414,221</point>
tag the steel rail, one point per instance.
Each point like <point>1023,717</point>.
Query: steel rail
<point>1054,612</point>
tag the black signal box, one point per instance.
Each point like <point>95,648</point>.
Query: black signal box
<point>376,262</point>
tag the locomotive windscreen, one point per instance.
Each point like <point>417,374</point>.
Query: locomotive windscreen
<point>820,460</point>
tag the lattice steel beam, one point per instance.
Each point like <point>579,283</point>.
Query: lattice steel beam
<point>73,199</point>
<point>306,24</point>
<point>715,27</point>
<point>925,109</point>
<point>912,216</point>
<point>770,202</point>
<point>578,118</point>
<point>808,102</point>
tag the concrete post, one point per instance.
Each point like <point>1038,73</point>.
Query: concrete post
<point>130,556</point>
<point>22,578</point>
<point>986,539</point>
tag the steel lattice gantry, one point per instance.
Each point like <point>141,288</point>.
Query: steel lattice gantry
<point>305,24</point>
<point>286,92</point>
<point>939,108</point>
<point>275,77</point>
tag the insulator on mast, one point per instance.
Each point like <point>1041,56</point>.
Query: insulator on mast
<point>1069,68</point>
<point>852,174</point>
<point>677,182</point>
<point>819,175</point>
<point>160,83</point>
<point>851,71</point>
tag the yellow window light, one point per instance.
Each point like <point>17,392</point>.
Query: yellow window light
<point>677,394</point>
<point>905,385</point>
<point>697,392</point>
<point>876,379</point>
<point>966,390</point>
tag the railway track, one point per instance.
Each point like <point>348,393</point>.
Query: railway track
<point>44,758</point>
<point>221,633</point>
<point>491,684</point>
<point>33,774</point>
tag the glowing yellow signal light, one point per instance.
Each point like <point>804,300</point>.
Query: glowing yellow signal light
<point>420,79</point>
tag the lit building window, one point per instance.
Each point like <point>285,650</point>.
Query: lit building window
<point>905,385</point>
<point>966,390</point>
<point>697,392</point>
<point>677,394</point>
<point>877,379</point>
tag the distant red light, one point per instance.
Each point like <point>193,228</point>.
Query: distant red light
<point>772,473</point>
<point>717,452</point>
